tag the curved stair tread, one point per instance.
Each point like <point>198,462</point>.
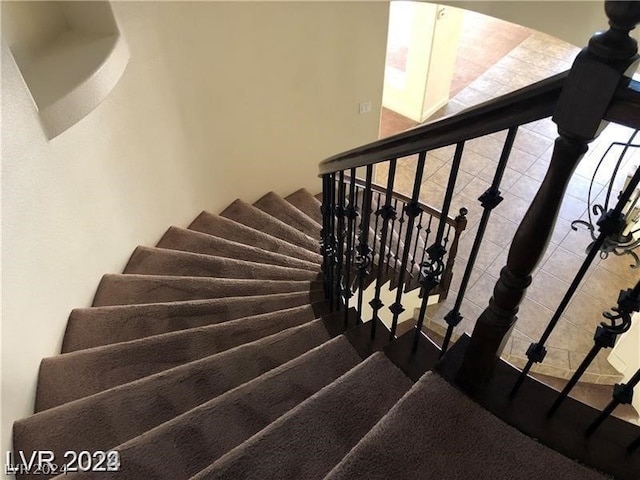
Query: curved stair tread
<point>79,374</point>
<point>223,227</point>
<point>255,218</point>
<point>437,429</point>
<point>114,416</point>
<point>190,241</point>
<point>96,326</point>
<point>306,203</point>
<point>278,207</point>
<point>311,439</point>
<point>158,261</point>
<point>127,289</point>
<point>186,444</point>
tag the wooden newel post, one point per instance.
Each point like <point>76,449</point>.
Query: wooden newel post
<point>595,75</point>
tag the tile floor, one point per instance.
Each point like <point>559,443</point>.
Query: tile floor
<point>534,58</point>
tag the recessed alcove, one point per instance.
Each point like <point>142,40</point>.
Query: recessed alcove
<point>70,55</point>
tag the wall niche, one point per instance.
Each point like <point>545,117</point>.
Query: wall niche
<point>70,55</point>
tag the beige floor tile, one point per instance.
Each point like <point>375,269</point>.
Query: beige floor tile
<point>579,188</point>
<point>486,85</point>
<point>621,266</point>
<point>532,318</point>
<point>473,162</point>
<point>531,142</point>
<point>432,194</point>
<point>521,161</point>
<point>526,188</point>
<point>561,230</point>
<point>470,96</point>
<point>563,264</point>
<point>441,177</point>
<point>482,290</point>
<point>544,127</point>
<point>475,188</point>
<point>444,153</point>
<point>524,68</point>
<point>509,177</point>
<point>503,75</point>
<point>486,146</point>
<point>500,230</point>
<point>570,337</point>
<point>458,274</point>
<point>512,207</point>
<point>605,285</point>
<point>499,262</point>
<point>538,170</point>
<point>577,241</point>
<point>431,165</point>
<point>547,290</point>
<point>539,58</point>
<point>586,311</point>
<point>487,254</point>
<point>572,208</point>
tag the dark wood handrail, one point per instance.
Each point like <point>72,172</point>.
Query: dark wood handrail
<point>625,107</point>
<point>434,212</point>
<point>525,105</point>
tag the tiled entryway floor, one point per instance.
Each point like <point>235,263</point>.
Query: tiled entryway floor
<point>537,57</point>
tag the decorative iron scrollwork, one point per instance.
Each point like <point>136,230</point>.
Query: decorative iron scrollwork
<point>387,212</point>
<point>620,229</point>
<point>432,268</point>
<point>364,259</point>
<point>620,319</point>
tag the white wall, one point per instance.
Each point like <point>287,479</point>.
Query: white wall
<point>219,100</point>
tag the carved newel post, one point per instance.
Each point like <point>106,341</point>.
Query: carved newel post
<point>588,91</point>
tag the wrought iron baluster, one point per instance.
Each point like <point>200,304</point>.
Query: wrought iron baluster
<point>352,214</point>
<point>426,239</point>
<point>622,394</point>
<point>488,200</point>
<point>326,246</point>
<point>415,245</point>
<point>431,270</point>
<point>376,237</point>
<point>364,257</point>
<point>412,210</point>
<point>605,337</point>
<point>610,223</point>
<point>387,213</point>
<point>340,237</point>
<point>401,221</point>
<point>447,275</point>
<point>392,235</point>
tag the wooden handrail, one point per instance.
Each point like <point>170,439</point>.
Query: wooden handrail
<point>525,105</point>
<point>625,107</point>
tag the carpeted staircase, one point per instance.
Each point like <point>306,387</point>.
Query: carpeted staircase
<point>211,357</point>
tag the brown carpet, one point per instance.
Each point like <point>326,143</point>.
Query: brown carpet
<point>307,441</point>
<point>211,357</point>
<point>141,289</point>
<point>436,432</point>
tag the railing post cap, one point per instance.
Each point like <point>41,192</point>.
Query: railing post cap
<point>615,44</point>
